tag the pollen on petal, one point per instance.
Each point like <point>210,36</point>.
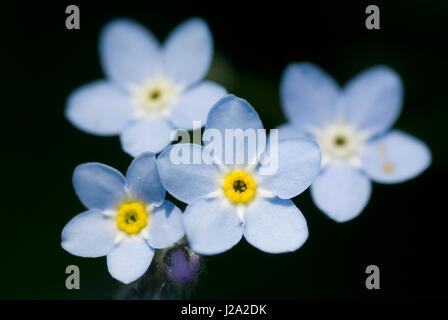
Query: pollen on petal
<point>388,167</point>
<point>382,149</point>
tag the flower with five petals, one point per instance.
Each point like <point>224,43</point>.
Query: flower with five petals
<point>352,126</point>
<point>150,89</point>
<point>127,217</point>
<point>233,196</point>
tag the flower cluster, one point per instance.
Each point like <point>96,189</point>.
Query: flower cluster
<point>240,182</point>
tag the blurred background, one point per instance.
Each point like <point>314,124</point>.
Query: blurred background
<point>403,230</point>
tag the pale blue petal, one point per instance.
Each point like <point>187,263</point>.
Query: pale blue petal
<point>146,135</point>
<point>165,226</point>
<point>373,99</point>
<point>98,186</point>
<point>288,131</point>
<point>129,259</point>
<point>309,95</point>
<point>99,108</point>
<point>275,226</point>
<point>212,226</point>
<point>292,169</point>
<point>237,124</point>
<point>395,157</point>
<point>231,112</point>
<point>185,173</point>
<point>143,179</point>
<point>341,192</point>
<point>129,52</point>
<point>195,103</point>
<point>188,51</point>
<point>89,234</point>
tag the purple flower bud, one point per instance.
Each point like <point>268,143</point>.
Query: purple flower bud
<point>182,265</point>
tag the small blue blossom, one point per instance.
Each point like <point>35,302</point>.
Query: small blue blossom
<point>352,126</point>
<point>127,217</point>
<point>228,199</point>
<point>150,89</point>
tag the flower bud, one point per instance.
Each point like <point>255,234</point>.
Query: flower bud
<point>182,265</point>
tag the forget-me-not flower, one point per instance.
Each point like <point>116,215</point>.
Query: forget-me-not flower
<point>150,89</point>
<point>228,199</point>
<point>352,126</point>
<point>127,217</point>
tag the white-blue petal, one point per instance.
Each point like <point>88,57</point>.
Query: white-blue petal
<point>143,179</point>
<point>165,226</point>
<point>182,176</point>
<point>129,259</point>
<point>89,234</point>
<point>195,103</point>
<point>188,51</point>
<point>98,186</point>
<point>341,192</point>
<point>373,99</point>
<point>232,112</point>
<point>129,52</point>
<point>212,226</point>
<point>288,131</point>
<point>275,226</point>
<point>146,135</point>
<point>395,157</point>
<point>309,95</point>
<point>297,162</point>
<point>240,129</point>
<point>99,108</point>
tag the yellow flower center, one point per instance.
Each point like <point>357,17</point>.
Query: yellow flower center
<point>132,217</point>
<point>340,140</point>
<point>155,94</point>
<point>239,187</point>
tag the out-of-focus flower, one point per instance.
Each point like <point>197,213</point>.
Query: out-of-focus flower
<point>127,217</point>
<point>227,199</point>
<point>352,126</point>
<point>150,89</point>
<point>182,265</point>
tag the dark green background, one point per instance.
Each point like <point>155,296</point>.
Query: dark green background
<point>403,230</point>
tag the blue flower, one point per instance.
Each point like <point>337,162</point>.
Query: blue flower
<point>127,218</point>
<point>150,89</point>
<point>352,126</point>
<point>234,193</point>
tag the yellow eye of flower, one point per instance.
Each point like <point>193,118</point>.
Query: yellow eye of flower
<point>155,94</point>
<point>239,187</point>
<point>340,141</point>
<point>132,217</point>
